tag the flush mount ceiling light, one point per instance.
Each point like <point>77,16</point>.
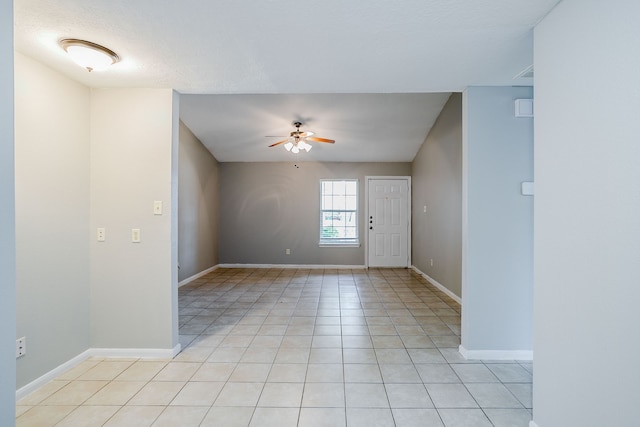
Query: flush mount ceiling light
<point>297,140</point>
<point>89,55</point>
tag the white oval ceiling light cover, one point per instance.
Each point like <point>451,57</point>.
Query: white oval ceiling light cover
<point>89,55</point>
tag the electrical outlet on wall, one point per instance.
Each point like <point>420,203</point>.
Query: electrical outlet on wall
<point>21,347</point>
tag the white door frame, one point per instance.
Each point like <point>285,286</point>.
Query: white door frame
<point>366,215</point>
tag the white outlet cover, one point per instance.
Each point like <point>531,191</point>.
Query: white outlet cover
<point>21,347</point>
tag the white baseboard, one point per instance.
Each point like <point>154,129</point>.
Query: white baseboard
<point>496,354</point>
<point>198,275</point>
<point>532,424</point>
<point>441,287</point>
<point>305,266</point>
<point>137,353</point>
<point>39,382</point>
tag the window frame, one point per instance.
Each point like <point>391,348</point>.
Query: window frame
<point>339,242</point>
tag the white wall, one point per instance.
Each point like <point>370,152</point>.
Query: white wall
<point>587,215</point>
<point>497,254</point>
<point>7,217</point>
<point>436,177</point>
<point>133,163</point>
<point>197,206</point>
<point>52,217</point>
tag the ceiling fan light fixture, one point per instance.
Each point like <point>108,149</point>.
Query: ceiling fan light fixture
<point>297,140</point>
<point>89,55</point>
<point>303,145</point>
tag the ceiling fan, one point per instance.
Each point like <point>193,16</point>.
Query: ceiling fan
<point>297,140</point>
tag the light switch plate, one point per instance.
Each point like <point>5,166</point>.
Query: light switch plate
<point>135,235</point>
<point>157,207</point>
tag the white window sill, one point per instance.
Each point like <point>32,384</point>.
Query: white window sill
<point>339,245</point>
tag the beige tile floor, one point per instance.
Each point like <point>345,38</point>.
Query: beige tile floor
<point>307,348</point>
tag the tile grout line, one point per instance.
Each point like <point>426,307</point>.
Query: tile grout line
<point>233,295</point>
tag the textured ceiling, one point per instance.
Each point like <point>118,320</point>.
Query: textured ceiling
<point>293,47</point>
<point>366,127</point>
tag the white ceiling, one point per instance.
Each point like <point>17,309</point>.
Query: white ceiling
<point>366,127</point>
<point>362,72</point>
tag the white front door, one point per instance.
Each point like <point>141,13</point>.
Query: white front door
<point>388,222</point>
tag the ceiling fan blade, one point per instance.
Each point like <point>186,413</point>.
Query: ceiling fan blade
<point>316,139</point>
<point>278,143</point>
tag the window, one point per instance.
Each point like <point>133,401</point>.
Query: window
<point>339,212</point>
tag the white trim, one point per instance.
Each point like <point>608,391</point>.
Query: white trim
<point>368,178</point>
<point>409,219</point>
<point>352,242</point>
<point>464,278</point>
<point>338,245</point>
<point>197,275</point>
<point>306,266</point>
<point>532,424</point>
<point>39,382</point>
<point>440,286</point>
<point>495,354</point>
<point>138,353</point>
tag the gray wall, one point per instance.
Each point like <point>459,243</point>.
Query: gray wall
<point>197,206</point>
<point>52,217</point>
<point>497,254</point>
<point>269,207</point>
<point>436,178</point>
<point>7,217</point>
<point>587,215</point>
